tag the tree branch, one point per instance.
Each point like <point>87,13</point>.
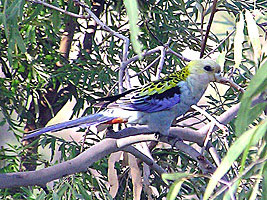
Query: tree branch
<point>203,44</point>
<point>121,139</point>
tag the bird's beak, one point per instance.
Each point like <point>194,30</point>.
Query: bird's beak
<point>218,77</point>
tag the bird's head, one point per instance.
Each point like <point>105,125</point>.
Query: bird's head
<point>204,70</point>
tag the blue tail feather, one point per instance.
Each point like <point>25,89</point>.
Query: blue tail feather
<point>87,121</point>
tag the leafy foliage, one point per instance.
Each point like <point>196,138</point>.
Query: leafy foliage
<point>30,41</point>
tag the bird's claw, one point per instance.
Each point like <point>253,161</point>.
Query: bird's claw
<point>173,140</point>
<point>157,135</point>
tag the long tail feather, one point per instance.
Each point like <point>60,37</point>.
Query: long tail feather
<point>86,121</point>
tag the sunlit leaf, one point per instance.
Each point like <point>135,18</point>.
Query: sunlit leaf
<point>251,136</point>
<point>264,186</point>
<point>238,40</point>
<point>257,84</point>
<point>175,176</point>
<point>253,34</point>
<point>132,12</point>
<point>221,59</point>
<point>174,189</point>
<point>255,189</point>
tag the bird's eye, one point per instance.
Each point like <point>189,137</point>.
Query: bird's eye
<point>208,68</point>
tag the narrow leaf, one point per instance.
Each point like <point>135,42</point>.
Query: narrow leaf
<point>255,190</point>
<point>257,84</point>
<point>238,40</point>
<point>132,12</point>
<point>175,176</point>
<point>253,34</point>
<point>221,58</point>
<point>20,41</point>
<point>254,134</point>
<point>174,189</point>
<point>264,181</point>
<point>113,179</point>
<point>136,177</point>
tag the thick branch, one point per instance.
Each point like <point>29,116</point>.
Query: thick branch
<point>78,164</point>
<point>109,145</point>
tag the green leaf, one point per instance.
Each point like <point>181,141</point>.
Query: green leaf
<point>264,185</point>
<point>56,20</point>
<point>55,196</point>
<point>83,191</point>
<point>251,136</point>
<point>132,12</point>
<point>175,176</point>
<point>174,189</point>
<point>179,178</point>
<point>221,58</point>
<point>238,40</point>
<point>230,191</point>
<point>5,20</point>
<point>256,111</point>
<point>41,196</point>
<point>257,84</point>
<point>253,34</point>
<point>255,190</point>
<point>20,41</point>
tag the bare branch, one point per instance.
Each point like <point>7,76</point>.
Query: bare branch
<point>161,62</point>
<point>227,116</point>
<point>204,164</point>
<point>178,55</point>
<point>211,52</point>
<point>150,65</point>
<point>109,145</point>
<point>225,81</point>
<point>203,44</point>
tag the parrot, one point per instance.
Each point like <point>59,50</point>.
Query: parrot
<point>156,104</point>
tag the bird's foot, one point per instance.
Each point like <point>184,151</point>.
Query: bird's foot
<point>157,135</point>
<point>174,139</point>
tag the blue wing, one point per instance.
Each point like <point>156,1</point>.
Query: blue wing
<point>153,102</point>
<point>156,96</point>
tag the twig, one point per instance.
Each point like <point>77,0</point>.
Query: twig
<point>146,53</point>
<point>204,164</point>
<point>207,138</point>
<point>59,9</point>
<point>161,61</point>
<point>123,64</point>
<point>169,50</point>
<point>246,170</point>
<point>213,152</point>
<point>203,44</point>
<point>212,124</point>
<point>224,81</point>
<point>212,51</point>
<point>146,68</point>
<point>227,116</point>
<point>212,119</point>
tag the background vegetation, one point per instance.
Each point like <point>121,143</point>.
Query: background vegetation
<point>49,58</point>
